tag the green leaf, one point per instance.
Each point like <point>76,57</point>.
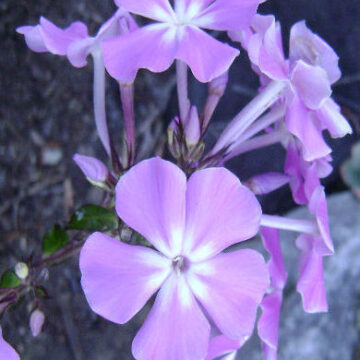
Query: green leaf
<point>93,217</point>
<point>9,279</point>
<point>54,240</point>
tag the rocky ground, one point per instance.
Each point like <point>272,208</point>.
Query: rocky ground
<point>46,116</point>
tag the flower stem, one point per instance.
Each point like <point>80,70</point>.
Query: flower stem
<point>262,123</point>
<point>249,114</point>
<point>182,90</point>
<point>256,143</point>
<point>284,223</point>
<point>99,100</point>
<point>127,100</point>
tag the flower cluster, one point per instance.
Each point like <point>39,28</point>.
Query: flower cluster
<point>185,217</point>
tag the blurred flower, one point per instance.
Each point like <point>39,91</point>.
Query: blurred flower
<point>37,319</point>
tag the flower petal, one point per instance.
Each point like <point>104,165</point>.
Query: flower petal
<point>227,15</point>
<point>159,10</point>
<point>207,57</point>
<point>118,279</point>
<point>220,212</point>
<point>230,287</point>
<point>152,47</point>
<point>301,122</point>
<point>311,83</point>
<point>57,40</point>
<point>311,280</point>
<point>306,45</point>
<point>220,346</point>
<point>150,198</point>
<point>176,328</point>
<point>33,38</point>
<point>268,324</point>
<point>276,263</point>
<point>331,119</point>
<point>6,351</point>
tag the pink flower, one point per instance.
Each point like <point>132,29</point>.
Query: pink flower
<point>74,41</point>
<point>223,348</point>
<point>189,223</point>
<point>178,35</point>
<point>6,351</point>
<point>310,70</point>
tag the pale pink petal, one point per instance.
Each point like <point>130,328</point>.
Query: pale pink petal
<point>318,207</point>
<point>152,47</point>
<point>118,279</point>
<point>227,15</point>
<point>230,287</point>
<point>207,57</point>
<point>271,60</point>
<point>221,346</point>
<point>176,328</point>
<point>307,46</point>
<point>57,40</point>
<point>331,119</point>
<point>33,38</point>
<point>268,324</point>
<point>276,263</point>
<point>150,198</point>
<point>311,83</point>
<point>78,51</point>
<point>293,167</point>
<point>311,280</point>
<point>159,10</point>
<point>220,212</point>
<point>301,122</point>
<point>6,351</point>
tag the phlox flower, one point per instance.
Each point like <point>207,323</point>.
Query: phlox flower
<point>178,34</point>
<point>75,43</point>
<point>309,72</point>
<point>6,351</point>
<point>188,223</point>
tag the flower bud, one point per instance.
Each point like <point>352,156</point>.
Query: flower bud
<point>21,270</point>
<point>37,319</point>
<point>192,127</point>
<point>94,170</point>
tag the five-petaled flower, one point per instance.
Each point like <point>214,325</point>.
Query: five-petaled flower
<point>189,223</point>
<point>178,34</point>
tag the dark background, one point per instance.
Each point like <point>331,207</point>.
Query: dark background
<point>46,108</point>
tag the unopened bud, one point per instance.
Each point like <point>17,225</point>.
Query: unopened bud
<point>94,170</point>
<point>21,270</point>
<point>192,127</point>
<point>37,319</point>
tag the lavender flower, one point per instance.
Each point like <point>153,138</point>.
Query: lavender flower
<point>189,223</point>
<point>178,35</point>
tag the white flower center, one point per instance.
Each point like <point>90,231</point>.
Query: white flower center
<point>180,264</point>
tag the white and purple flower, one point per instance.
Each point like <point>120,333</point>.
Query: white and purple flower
<point>189,223</point>
<point>178,35</point>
